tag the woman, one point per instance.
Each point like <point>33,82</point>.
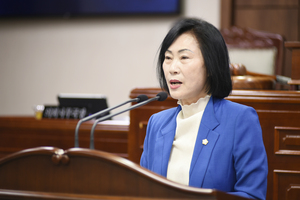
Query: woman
<point>207,141</point>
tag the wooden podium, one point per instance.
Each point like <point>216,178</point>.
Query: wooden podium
<point>77,173</point>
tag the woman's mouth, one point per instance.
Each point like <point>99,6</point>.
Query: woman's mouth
<point>174,84</point>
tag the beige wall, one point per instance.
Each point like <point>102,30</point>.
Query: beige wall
<point>40,58</point>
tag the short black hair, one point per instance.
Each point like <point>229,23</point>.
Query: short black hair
<point>214,52</point>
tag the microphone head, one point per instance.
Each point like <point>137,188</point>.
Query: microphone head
<point>141,98</point>
<point>162,96</point>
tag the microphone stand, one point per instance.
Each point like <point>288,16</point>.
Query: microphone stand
<point>139,98</point>
<point>160,97</point>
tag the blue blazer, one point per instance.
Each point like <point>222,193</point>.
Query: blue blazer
<point>234,159</point>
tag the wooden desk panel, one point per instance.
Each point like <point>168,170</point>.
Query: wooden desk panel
<point>18,133</point>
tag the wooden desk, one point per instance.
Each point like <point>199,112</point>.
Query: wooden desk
<point>18,133</point>
<point>279,115</point>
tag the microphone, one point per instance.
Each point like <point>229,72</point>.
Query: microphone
<point>159,97</point>
<point>138,99</point>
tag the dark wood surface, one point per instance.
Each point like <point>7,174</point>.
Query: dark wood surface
<point>294,47</point>
<point>85,173</point>
<point>28,195</point>
<point>279,115</point>
<point>18,133</point>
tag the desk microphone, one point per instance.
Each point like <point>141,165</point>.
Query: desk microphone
<point>159,97</point>
<point>138,99</point>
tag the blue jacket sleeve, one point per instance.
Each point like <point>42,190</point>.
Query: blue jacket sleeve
<point>250,160</point>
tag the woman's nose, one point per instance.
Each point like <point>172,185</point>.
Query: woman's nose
<point>174,69</point>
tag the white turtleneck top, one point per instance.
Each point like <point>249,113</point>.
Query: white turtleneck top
<point>188,122</point>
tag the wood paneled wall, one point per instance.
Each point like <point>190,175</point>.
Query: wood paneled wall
<point>275,16</point>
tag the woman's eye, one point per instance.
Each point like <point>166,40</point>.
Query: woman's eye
<point>184,57</point>
<point>167,57</point>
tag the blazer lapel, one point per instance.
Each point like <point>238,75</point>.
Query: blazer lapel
<point>164,144</point>
<point>202,151</point>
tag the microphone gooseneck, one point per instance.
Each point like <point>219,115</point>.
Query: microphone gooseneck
<point>159,97</point>
<point>138,99</point>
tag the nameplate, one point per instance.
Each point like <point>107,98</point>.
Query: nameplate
<point>65,112</point>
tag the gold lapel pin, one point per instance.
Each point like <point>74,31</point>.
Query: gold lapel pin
<point>205,141</point>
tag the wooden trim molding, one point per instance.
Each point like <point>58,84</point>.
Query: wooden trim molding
<point>287,141</point>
